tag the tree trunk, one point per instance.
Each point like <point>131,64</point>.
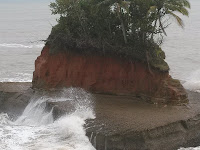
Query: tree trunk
<point>159,18</point>
<point>154,29</point>
<point>123,31</point>
<point>123,27</point>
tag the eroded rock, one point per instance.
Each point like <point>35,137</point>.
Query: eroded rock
<point>110,75</point>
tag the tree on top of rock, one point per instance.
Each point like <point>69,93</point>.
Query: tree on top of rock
<point>118,27</point>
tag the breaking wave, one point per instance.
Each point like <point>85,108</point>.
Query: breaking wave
<point>15,45</point>
<point>36,129</point>
<point>191,148</point>
<point>193,82</point>
<point>15,77</point>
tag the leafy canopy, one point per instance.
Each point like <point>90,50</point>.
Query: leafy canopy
<point>122,27</point>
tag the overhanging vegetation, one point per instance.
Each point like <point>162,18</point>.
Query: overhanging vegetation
<point>126,29</point>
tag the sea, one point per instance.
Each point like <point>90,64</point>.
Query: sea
<point>24,24</point>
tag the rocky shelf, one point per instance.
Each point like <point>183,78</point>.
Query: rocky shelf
<point>123,122</point>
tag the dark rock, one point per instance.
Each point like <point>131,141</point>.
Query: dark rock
<point>14,98</point>
<point>125,122</point>
<point>60,108</point>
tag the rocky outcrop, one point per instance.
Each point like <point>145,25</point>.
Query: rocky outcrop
<point>101,74</point>
<point>122,122</point>
<point>14,97</point>
<point>125,123</point>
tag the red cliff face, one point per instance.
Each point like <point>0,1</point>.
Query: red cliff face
<point>105,75</point>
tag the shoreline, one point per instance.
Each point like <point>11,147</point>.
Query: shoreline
<point>123,121</point>
<point>14,86</point>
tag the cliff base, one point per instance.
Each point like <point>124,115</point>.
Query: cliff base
<point>124,122</point>
<point>106,75</point>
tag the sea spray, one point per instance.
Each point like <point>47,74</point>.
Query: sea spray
<point>8,76</point>
<point>191,148</point>
<point>36,129</point>
<point>193,81</point>
<point>16,45</point>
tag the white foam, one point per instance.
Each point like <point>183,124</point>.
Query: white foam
<point>35,129</point>
<point>190,148</point>
<point>16,45</point>
<point>15,77</point>
<point>193,81</point>
<point>19,79</point>
<point>35,114</point>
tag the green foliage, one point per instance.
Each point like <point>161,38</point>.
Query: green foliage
<point>114,27</point>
